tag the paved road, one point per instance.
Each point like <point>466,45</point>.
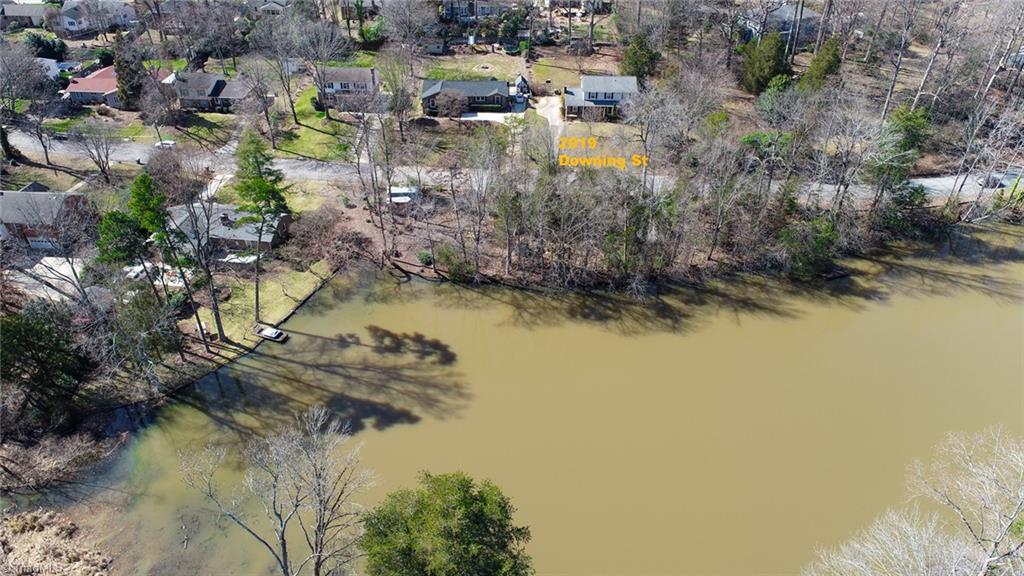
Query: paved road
<point>222,162</point>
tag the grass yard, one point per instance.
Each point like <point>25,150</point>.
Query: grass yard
<point>445,135</point>
<point>532,117</point>
<point>281,290</point>
<point>301,196</point>
<point>563,69</point>
<point>175,65</point>
<point>474,67</point>
<point>208,130</point>
<point>305,196</point>
<point>20,34</point>
<point>358,59</point>
<point>554,74</point>
<point>71,122</point>
<point>314,137</point>
<point>21,175</point>
<point>602,32</point>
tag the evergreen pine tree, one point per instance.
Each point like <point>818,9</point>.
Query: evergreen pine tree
<point>765,60</point>
<point>130,71</point>
<point>825,63</point>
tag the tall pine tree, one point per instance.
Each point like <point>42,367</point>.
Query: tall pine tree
<point>825,63</point>
<point>765,60</point>
<point>130,70</point>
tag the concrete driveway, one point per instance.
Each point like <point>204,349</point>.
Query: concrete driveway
<point>518,109</point>
<point>499,117</point>
<point>550,108</point>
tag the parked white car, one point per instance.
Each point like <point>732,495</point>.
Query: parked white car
<point>268,333</point>
<point>166,144</point>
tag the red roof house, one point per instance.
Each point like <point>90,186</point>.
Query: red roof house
<point>100,87</point>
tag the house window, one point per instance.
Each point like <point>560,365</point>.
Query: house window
<point>609,95</point>
<point>591,95</point>
<point>343,85</point>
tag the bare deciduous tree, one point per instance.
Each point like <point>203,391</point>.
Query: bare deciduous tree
<point>303,484</point>
<point>279,41</point>
<point>323,43</point>
<point>97,141</point>
<point>979,480</point>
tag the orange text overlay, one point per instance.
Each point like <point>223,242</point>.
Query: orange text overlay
<point>608,161</point>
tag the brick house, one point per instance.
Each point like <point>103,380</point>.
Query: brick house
<point>34,213</point>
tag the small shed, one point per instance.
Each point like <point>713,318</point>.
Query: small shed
<point>522,86</point>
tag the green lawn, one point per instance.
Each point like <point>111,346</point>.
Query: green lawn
<point>474,67</point>
<point>358,59</point>
<point>214,66</point>
<point>533,118</point>
<point>305,196</point>
<point>70,123</point>
<point>315,137</point>
<point>175,65</point>
<point>280,292</point>
<point>20,34</point>
<point>208,129</point>
<point>438,72</point>
<point>561,72</point>
<point>601,32</point>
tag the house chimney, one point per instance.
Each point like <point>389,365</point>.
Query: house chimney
<point>225,219</point>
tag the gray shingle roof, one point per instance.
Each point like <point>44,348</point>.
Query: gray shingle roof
<point>349,75</point>
<point>32,208</point>
<point>223,222</point>
<point>786,12</point>
<point>206,82</point>
<point>621,84</point>
<point>234,90</point>
<point>478,88</point>
<point>25,10</point>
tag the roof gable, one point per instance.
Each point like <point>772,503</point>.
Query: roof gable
<point>468,88</point>
<point>614,84</point>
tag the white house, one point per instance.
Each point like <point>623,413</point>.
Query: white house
<point>79,16</point>
<point>599,95</point>
<point>343,85</point>
<point>49,66</point>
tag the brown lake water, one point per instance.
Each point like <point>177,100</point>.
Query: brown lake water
<point>730,430</point>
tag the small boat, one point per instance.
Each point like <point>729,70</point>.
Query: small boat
<point>268,333</point>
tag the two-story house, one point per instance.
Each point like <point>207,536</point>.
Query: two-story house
<point>348,88</point>
<point>208,92</point>
<point>79,16</point>
<point>453,97</point>
<point>599,96</point>
<point>269,7</point>
<point>470,10</point>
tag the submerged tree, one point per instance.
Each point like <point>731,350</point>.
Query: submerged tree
<point>304,485</point>
<point>979,479</point>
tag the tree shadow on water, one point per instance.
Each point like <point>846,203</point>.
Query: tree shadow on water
<point>381,380</point>
<point>965,262</point>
